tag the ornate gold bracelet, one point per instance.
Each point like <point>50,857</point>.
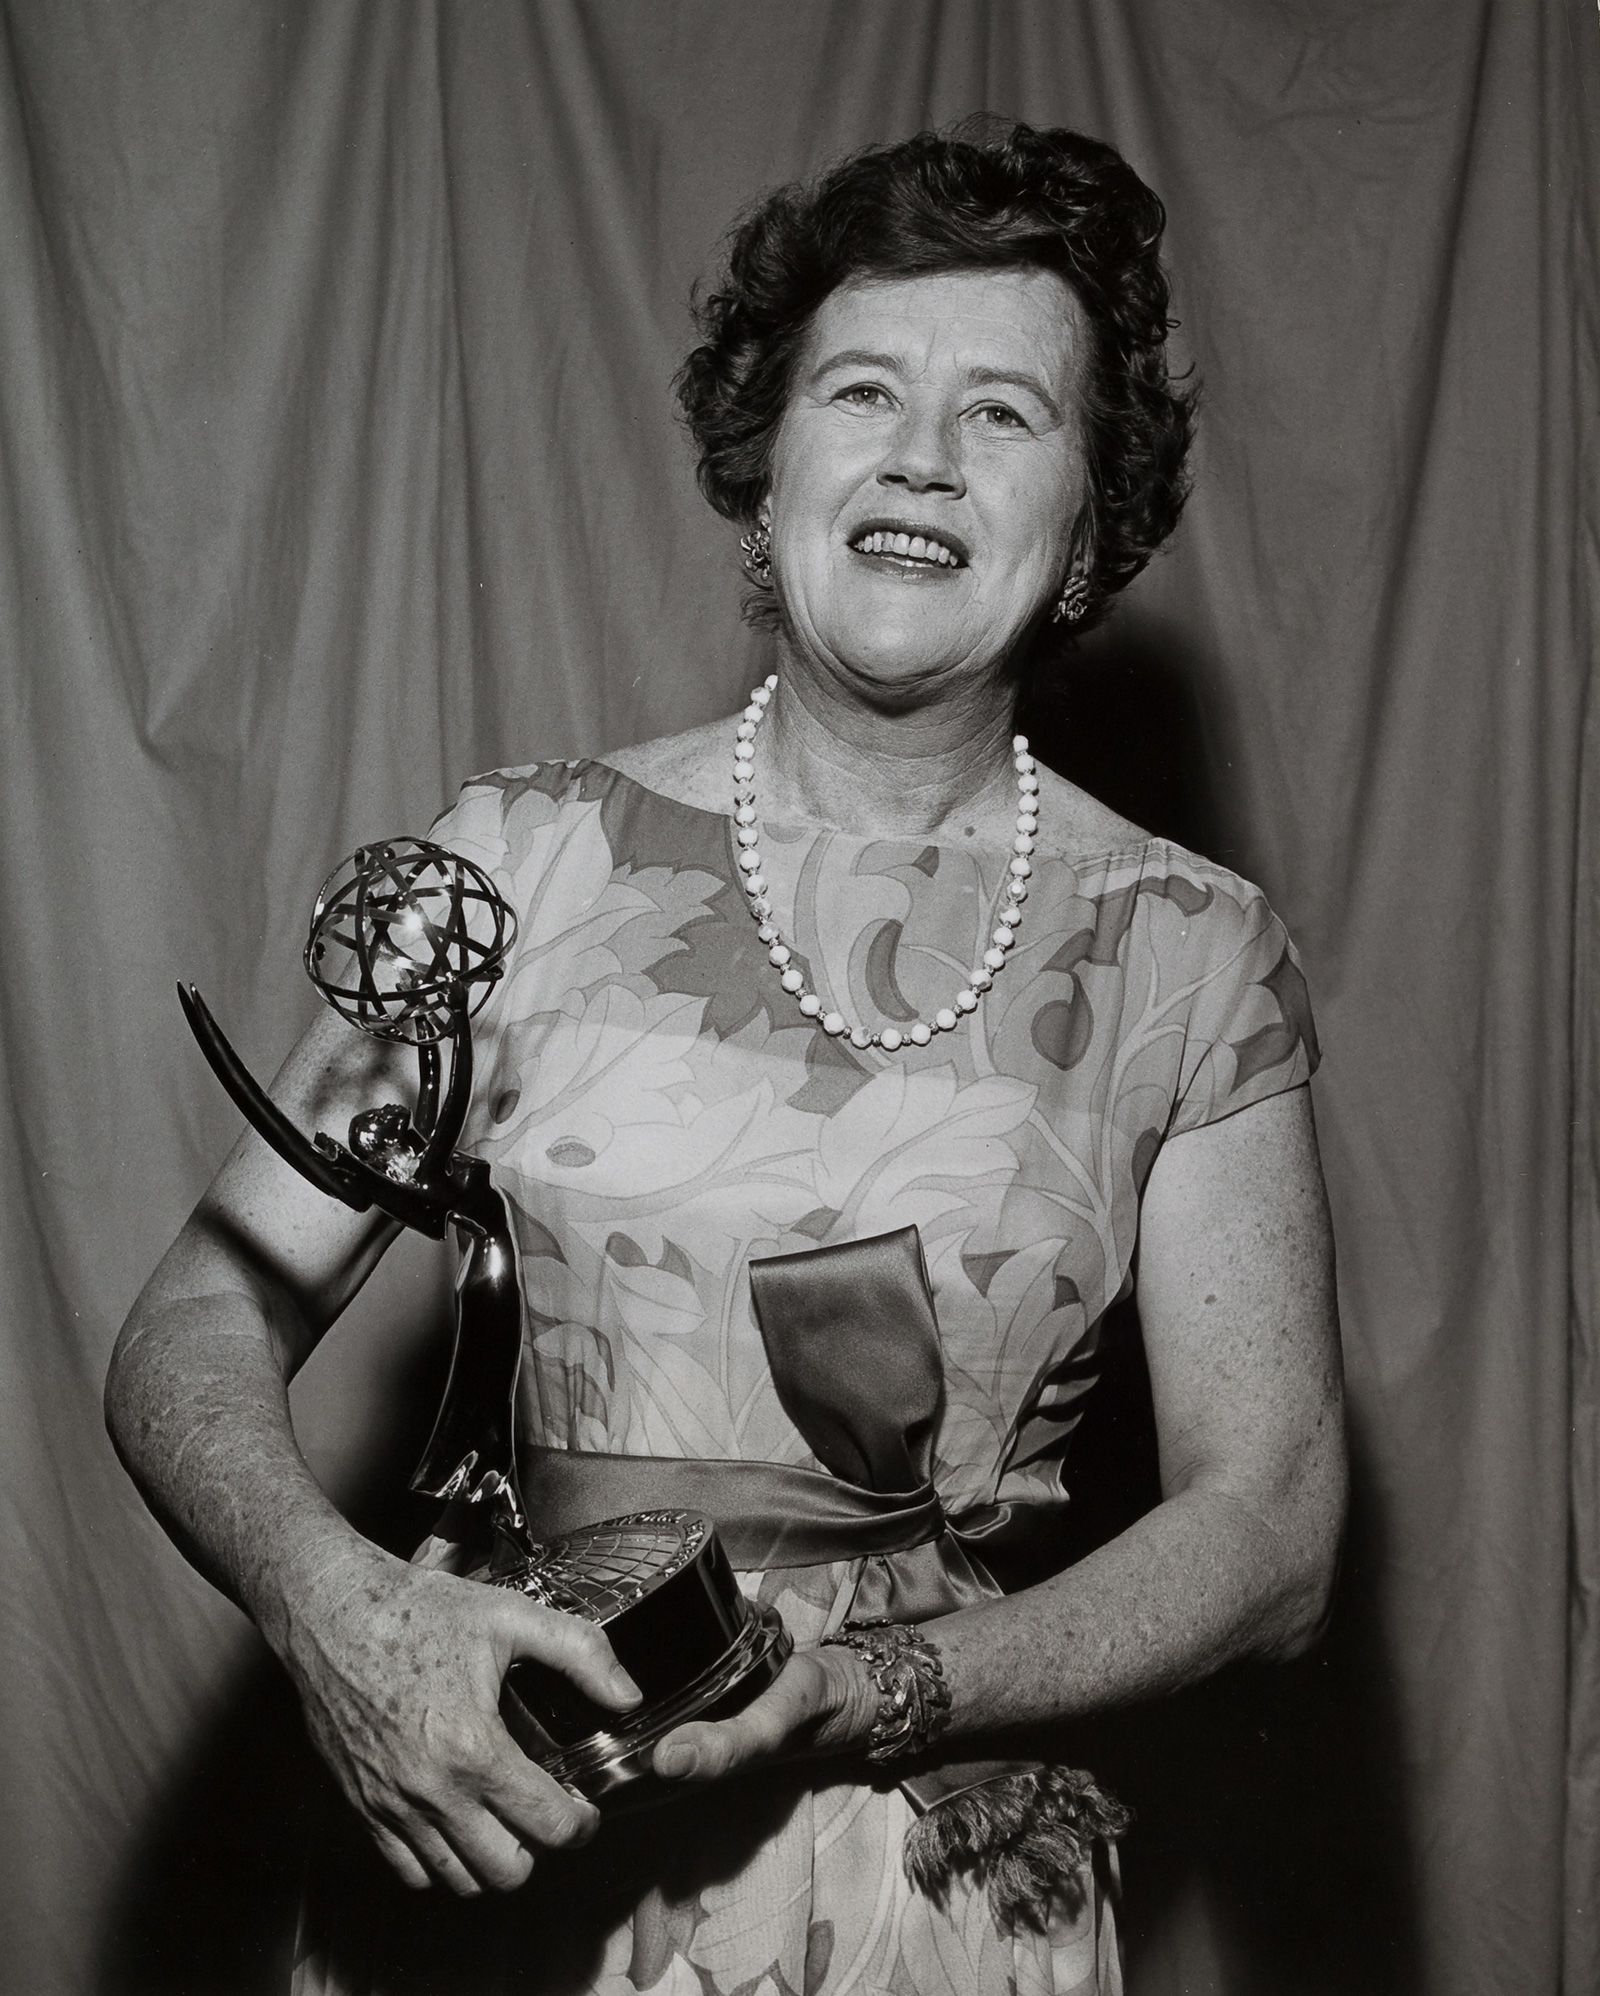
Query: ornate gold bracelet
<point>913,1698</point>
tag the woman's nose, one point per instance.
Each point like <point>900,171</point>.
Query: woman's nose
<point>924,454</point>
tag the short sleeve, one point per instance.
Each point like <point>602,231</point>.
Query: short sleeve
<point>495,822</point>
<point>475,824</point>
<point>1250,1032</point>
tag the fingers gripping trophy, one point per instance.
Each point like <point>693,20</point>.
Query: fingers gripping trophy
<point>407,941</point>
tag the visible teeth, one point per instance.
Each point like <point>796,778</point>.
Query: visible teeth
<point>910,547</point>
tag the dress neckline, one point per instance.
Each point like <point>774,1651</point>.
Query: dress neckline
<point>786,830</point>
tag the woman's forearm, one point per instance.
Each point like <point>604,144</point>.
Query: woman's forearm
<point>197,1407</point>
<point>1198,1582</point>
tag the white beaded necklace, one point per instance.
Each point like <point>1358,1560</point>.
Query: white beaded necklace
<point>747,831</point>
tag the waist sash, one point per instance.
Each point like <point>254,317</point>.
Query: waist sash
<point>768,1515</point>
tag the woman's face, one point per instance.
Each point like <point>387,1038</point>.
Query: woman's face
<point>927,473</point>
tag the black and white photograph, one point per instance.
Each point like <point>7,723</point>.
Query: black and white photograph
<point>800,873</point>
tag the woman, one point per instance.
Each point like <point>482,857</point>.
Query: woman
<point>852,962</point>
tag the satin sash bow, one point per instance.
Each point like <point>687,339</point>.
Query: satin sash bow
<point>853,1346</point>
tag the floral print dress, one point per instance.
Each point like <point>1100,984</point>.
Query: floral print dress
<point>656,1112</point>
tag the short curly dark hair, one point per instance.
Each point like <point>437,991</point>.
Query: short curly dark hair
<point>952,201</point>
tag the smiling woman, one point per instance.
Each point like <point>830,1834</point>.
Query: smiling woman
<point>928,471</point>
<point>1021,208</point>
<point>846,1056</point>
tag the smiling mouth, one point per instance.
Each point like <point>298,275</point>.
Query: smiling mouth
<point>910,549</point>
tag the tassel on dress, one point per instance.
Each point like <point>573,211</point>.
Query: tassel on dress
<point>1025,1838</point>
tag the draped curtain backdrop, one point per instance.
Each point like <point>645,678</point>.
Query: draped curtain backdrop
<point>338,461</point>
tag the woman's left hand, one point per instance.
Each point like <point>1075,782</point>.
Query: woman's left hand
<point>823,1702</point>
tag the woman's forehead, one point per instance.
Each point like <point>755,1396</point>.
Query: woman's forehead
<point>965,319</point>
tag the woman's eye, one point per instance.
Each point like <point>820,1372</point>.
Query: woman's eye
<point>864,395</point>
<point>1002,418</point>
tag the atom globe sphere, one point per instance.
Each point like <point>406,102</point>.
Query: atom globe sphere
<point>402,931</point>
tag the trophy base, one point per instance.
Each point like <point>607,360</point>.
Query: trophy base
<point>614,1765</point>
<point>659,1584</point>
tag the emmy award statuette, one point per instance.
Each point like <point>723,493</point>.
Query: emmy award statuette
<point>407,939</point>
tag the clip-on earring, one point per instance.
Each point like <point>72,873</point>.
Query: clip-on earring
<point>755,551</point>
<point>1074,599</point>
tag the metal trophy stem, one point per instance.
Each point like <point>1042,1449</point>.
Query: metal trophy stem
<point>407,939</point>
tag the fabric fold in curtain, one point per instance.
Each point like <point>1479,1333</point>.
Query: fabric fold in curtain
<point>338,460</point>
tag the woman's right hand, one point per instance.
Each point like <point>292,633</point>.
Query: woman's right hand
<point>399,1669</point>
